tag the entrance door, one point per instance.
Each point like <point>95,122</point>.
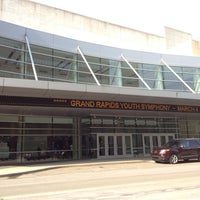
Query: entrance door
<point>154,140</point>
<point>114,145</point>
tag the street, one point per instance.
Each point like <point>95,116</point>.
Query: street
<point>144,180</point>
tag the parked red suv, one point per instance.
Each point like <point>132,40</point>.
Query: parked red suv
<point>178,149</point>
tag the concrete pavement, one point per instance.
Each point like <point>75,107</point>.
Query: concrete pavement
<point>29,168</point>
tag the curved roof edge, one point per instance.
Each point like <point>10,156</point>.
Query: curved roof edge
<point>32,88</point>
<point>40,38</point>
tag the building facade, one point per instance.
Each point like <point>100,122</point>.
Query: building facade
<point>63,98</point>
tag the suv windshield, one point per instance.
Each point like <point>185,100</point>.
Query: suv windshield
<point>171,143</point>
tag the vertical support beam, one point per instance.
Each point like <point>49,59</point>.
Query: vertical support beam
<point>77,138</point>
<point>162,60</point>
<point>135,72</point>
<point>31,57</point>
<point>90,69</point>
<point>115,74</point>
<point>197,81</point>
<point>22,64</point>
<point>159,78</point>
<point>74,68</point>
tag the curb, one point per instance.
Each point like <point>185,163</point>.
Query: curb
<point>51,166</point>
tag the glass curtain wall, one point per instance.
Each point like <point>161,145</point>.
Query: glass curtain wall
<point>37,138</point>
<point>48,138</point>
<point>12,59</point>
<point>189,128</point>
<point>26,139</point>
<point>10,138</point>
<point>61,66</point>
<point>92,126</point>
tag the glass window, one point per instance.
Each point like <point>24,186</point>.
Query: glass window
<point>64,66</point>
<point>62,120</point>
<point>140,122</point>
<point>9,137</point>
<point>38,119</point>
<point>58,65</point>
<point>12,58</point>
<point>101,145</point>
<point>129,122</point>
<point>129,78</point>
<point>107,121</point>
<point>83,73</point>
<point>8,118</point>
<point>162,140</point>
<point>96,122</point>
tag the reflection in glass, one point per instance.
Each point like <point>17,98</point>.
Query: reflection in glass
<point>101,145</point>
<point>162,140</point>
<point>119,145</point>
<point>155,141</point>
<point>147,144</point>
<point>128,144</point>
<point>110,145</point>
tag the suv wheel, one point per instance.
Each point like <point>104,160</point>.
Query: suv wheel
<point>173,159</point>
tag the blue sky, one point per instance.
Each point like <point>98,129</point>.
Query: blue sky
<point>144,15</point>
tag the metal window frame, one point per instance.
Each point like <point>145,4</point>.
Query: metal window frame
<point>165,63</point>
<point>31,57</point>
<point>86,62</point>
<point>147,86</point>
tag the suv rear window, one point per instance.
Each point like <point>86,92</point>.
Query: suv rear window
<point>194,143</point>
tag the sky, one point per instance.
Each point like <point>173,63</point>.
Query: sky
<point>144,15</point>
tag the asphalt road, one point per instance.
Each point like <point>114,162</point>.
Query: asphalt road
<point>144,181</point>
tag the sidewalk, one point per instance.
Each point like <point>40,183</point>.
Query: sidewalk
<point>28,168</point>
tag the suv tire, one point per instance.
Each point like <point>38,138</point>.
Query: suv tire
<point>173,159</point>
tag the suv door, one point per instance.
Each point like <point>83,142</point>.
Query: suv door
<point>184,150</point>
<point>194,149</point>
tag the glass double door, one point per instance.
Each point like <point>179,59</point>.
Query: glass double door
<point>154,140</point>
<point>114,145</point>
